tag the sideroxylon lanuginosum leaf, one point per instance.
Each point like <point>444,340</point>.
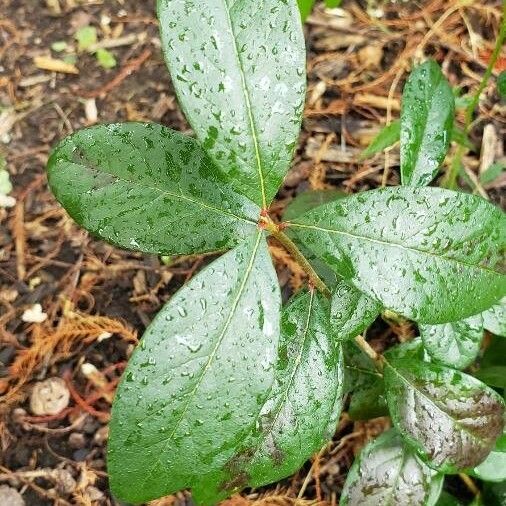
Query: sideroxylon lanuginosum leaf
<point>455,344</point>
<point>430,254</point>
<point>195,386</point>
<point>302,409</point>
<point>427,116</point>
<point>239,72</point>
<point>388,473</point>
<point>452,419</point>
<point>145,187</point>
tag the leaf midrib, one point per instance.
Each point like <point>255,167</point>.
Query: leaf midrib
<point>207,365</point>
<point>164,192</point>
<point>397,245</point>
<point>249,110</point>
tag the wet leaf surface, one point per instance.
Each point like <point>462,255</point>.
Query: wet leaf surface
<point>239,72</point>
<point>455,344</point>
<point>414,250</point>
<point>451,418</point>
<point>428,111</point>
<point>303,407</point>
<point>195,386</point>
<point>145,187</point>
<point>351,311</point>
<point>388,473</point>
<point>494,319</point>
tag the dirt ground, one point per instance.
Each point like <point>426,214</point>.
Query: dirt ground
<point>95,299</point>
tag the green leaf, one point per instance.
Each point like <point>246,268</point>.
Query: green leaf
<point>308,200</point>
<point>445,499</point>
<point>305,7</point>
<point>105,58</point>
<point>501,84</point>
<point>460,137</point>
<point>454,344</point>
<point>387,137</point>
<point>302,409</point>
<point>145,187</point>
<point>239,72</point>
<point>351,311</point>
<point>494,494</point>
<point>494,375</point>
<point>195,386</point>
<point>493,468</point>
<point>413,349</point>
<point>388,473</point>
<point>332,4</point>
<point>86,37</point>
<point>428,112</point>
<point>452,419</point>
<point>495,353</point>
<point>59,46</point>
<point>494,319</point>
<point>492,173</point>
<point>415,250</point>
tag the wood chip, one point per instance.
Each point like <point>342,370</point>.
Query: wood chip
<point>488,147</point>
<point>54,65</point>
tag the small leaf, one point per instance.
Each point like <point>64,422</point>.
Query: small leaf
<point>308,200</point>
<point>428,112</point>
<point>414,250</point>
<point>59,46</point>
<point>494,319</point>
<point>493,375</point>
<point>305,7</point>
<point>195,385</point>
<point>501,84</point>
<point>145,187</point>
<point>493,468</point>
<point>86,37</point>
<point>351,311</point>
<point>388,473</point>
<point>451,418</point>
<point>454,344</point>
<point>460,137</point>
<point>239,72</point>
<point>302,409</point>
<point>492,173</point>
<point>105,58</point>
<point>387,137</point>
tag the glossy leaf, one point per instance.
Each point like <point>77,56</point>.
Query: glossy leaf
<point>454,344</point>
<point>494,319</point>
<point>388,473</point>
<point>308,200</point>
<point>452,419</point>
<point>196,384</point>
<point>145,187</point>
<point>387,137</point>
<point>493,468</point>
<point>239,72</point>
<point>414,250</point>
<point>351,311</point>
<point>427,115</point>
<point>413,349</point>
<point>302,409</point>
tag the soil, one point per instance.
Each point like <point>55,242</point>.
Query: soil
<point>97,299</point>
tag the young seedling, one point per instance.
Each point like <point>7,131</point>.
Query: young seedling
<point>229,389</point>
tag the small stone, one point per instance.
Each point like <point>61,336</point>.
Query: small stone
<point>49,397</point>
<point>10,496</point>
<point>93,493</point>
<point>34,314</point>
<point>101,435</point>
<point>77,440</point>
<point>65,483</point>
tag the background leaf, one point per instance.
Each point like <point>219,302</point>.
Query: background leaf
<point>388,473</point>
<point>195,386</point>
<point>351,311</point>
<point>414,250</point>
<point>493,468</point>
<point>239,72</point>
<point>451,418</point>
<point>427,115</point>
<point>494,319</point>
<point>305,7</point>
<point>305,400</point>
<point>145,187</point>
<point>455,344</point>
<point>387,137</point>
<point>308,200</point>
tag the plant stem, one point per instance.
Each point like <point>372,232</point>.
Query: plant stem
<point>451,179</point>
<point>370,352</point>
<point>292,248</point>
